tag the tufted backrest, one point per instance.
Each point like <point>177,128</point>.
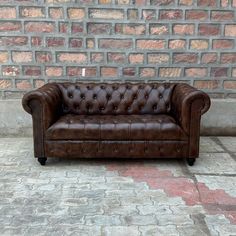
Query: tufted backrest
<point>116,98</point>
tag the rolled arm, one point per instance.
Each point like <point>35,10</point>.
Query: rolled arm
<point>45,101</point>
<point>182,99</point>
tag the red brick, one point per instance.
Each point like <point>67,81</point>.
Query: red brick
<point>136,58</point>
<point>55,42</point>
<point>209,29</point>
<point>170,14</point>
<point>76,42</point>
<point>130,71</point>
<point>206,84</point>
<point>23,84</point>
<point>76,13</point>
<point>99,28</point>
<point>7,13</point>
<point>186,2</point>
<point>116,57</point>
<point>230,30</point>
<point>147,72</point>
<point>39,27</point>
<point>104,1</point>
<point>159,29</point>
<point>141,2</point>
<point>109,71</point>
<point>54,71</point>
<point>149,14</point>
<point>223,44</point>
<point>170,72</point>
<point>20,57</point>
<point>234,3</point>
<point>185,57</point>
<point>5,84</point>
<point>228,58</point>
<point>150,44</point>
<point>64,28</point>
<point>56,13</point>
<point>32,12</point>
<point>196,72</point>
<point>222,15</point>
<point>132,14</point>
<point>81,71</point>
<point>10,26</point>
<point>158,58</point>
<point>106,14</point>
<point>230,84</point>
<point>38,83</point>
<point>177,44</point>
<point>199,44</point>
<point>122,2</point>
<point>184,29</point>
<point>13,41</point>
<point>31,70</point>
<point>208,58</point>
<point>3,56</point>
<point>97,57</point>
<point>43,57</point>
<point>115,43</point>
<point>196,15</point>
<point>224,3</point>
<point>162,2</point>
<point>219,71</point>
<point>36,41</point>
<point>10,70</point>
<point>90,43</point>
<point>206,3</point>
<point>130,29</point>
<point>72,57</point>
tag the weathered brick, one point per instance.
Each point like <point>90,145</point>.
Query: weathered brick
<point>39,27</point>
<point>136,58</point>
<point>170,14</point>
<point>223,44</point>
<point>170,72</point>
<point>185,57</point>
<point>234,72</point>
<point>54,71</point>
<point>129,71</point>
<point>230,84</point>
<point>224,3</point>
<point>196,15</point>
<point>81,71</point>
<point>32,12</point>
<point>195,72</point>
<point>230,30</point>
<point>55,42</point>
<point>186,2</point>
<point>13,40</point>
<point>7,12</point>
<point>99,28</point>
<point>158,58</point>
<point>206,3</point>
<point>106,14</point>
<point>23,84</point>
<point>206,84</point>
<point>234,3</point>
<point>10,70</point>
<point>131,29</point>
<point>149,14</point>
<point>162,2</point>
<point>199,44</point>
<point>5,84</point>
<point>208,58</point>
<point>123,2</point>
<point>90,43</point>
<point>72,57</point>
<point>38,83</point>
<point>158,29</point>
<point>36,41</point>
<point>22,56</point>
<point>228,58</point>
<point>43,57</point>
<point>3,56</point>
<point>109,71</point>
<point>56,13</point>
<point>132,14</point>
<point>147,72</point>
<point>222,15</point>
<point>219,71</point>
<point>75,42</point>
<point>97,57</point>
<point>115,43</point>
<point>77,28</point>
<point>64,27</point>
<point>76,13</point>
<point>104,1</point>
<point>184,29</point>
<point>10,26</point>
<point>116,57</point>
<point>150,44</point>
<point>209,29</point>
<point>31,70</point>
<point>177,44</point>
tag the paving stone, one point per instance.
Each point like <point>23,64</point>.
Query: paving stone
<point>154,230</point>
<point>136,219</point>
<point>120,230</point>
<point>102,220</point>
<point>208,145</point>
<point>171,219</point>
<point>154,209</point>
<point>229,143</point>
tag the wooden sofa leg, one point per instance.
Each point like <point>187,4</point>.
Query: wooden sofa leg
<point>191,161</point>
<point>42,160</point>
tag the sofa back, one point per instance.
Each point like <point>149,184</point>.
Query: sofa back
<point>116,98</point>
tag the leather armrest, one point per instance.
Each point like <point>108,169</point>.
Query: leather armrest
<point>46,102</point>
<point>183,98</point>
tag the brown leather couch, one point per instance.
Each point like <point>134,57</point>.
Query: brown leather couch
<point>116,120</point>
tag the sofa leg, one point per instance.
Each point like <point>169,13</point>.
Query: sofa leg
<point>42,160</point>
<point>191,161</point>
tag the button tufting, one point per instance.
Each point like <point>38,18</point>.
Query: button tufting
<point>101,108</point>
<point>115,107</point>
<point>108,96</point>
<point>135,96</point>
<point>102,87</point>
<point>94,96</point>
<point>128,108</point>
<point>146,96</point>
<point>154,107</point>
<point>160,96</point>
<point>82,96</point>
<point>121,96</point>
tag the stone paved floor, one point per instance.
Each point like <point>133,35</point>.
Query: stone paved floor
<point>156,197</point>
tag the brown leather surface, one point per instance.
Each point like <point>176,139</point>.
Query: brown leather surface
<point>120,127</point>
<point>116,120</point>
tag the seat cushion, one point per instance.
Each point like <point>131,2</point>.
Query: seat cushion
<point>120,127</point>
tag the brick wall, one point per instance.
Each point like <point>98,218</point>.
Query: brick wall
<point>103,40</point>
